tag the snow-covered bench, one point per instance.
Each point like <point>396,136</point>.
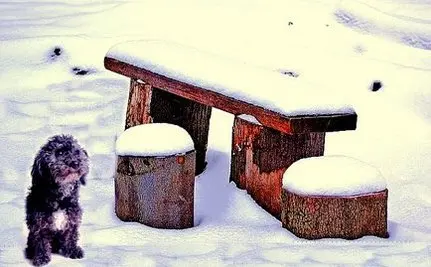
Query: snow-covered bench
<point>334,196</point>
<point>278,119</point>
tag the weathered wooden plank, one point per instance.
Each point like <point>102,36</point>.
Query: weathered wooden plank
<point>282,123</point>
<point>350,217</point>
<point>156,191</point>
<point>138,107</point>
<point>261,155</point>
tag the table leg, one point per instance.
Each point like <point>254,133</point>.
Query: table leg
<point>260,156</point>
<point>138,106</point>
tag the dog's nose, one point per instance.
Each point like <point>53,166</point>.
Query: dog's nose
<point>73,164</point>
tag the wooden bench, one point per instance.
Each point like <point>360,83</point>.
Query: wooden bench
<point>278,119</point>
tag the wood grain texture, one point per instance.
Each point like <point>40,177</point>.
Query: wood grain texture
<point>156,191</point>
<point>261,155</point>
<point>269,118</point>
<point>138,107</point>
<point>243,135</point>
<point>191,116</point>
<point>314,217</point>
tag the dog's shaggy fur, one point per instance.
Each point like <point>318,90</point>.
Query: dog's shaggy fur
<point>52,208</point>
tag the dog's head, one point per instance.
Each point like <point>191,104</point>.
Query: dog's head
<point>62,161</point>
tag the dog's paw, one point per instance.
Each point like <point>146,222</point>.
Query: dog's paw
<point>41,259</point>
<point>77,253</point>
<point>73,253</point>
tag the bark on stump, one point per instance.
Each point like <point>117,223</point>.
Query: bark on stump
<point>156,191</point>
<point>260,156</point>
<point>350,217</point>
<point>151,105</point>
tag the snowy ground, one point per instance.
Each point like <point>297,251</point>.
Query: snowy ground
<point>347,44</point>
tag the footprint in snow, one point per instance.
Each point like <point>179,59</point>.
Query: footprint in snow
<point>289,73</point>
<point>81,71</point>
<point>359,49</point>
<point>55,53</point>
<point>376,86</point>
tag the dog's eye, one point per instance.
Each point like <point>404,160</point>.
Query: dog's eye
<point>59,152</point>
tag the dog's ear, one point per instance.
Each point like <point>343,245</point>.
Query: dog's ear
<point>39,171</point>
<point>83,180</point>
<point>36,171</point>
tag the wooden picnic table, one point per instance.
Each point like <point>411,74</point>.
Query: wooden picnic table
<point>278,119</point>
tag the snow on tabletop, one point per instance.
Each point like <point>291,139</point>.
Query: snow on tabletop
<point>154,139</point>
<point>249,118</point>
<point>332,176</point>
<point>259,86</point>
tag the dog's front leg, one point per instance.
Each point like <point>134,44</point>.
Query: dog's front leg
<point>39,240</point>
<point>68,241</point>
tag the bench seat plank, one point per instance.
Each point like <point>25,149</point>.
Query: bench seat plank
<point>277,101</point>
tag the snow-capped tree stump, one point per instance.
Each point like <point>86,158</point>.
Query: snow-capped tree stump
<point>334,197</point>
<point>154,181</point>
<point>261,155</point>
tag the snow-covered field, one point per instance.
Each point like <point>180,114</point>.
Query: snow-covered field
<point>345,44</point>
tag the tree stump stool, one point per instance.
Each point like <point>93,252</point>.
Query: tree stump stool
<point>155,177</point>
<point>334,197</point>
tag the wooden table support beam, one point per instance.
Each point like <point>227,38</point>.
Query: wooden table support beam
<point>260,156</point>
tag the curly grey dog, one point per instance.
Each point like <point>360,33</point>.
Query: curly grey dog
<point>52,208</point>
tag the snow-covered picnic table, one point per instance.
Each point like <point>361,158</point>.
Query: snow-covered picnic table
<point>233,86</point>
<point>178,84</point>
